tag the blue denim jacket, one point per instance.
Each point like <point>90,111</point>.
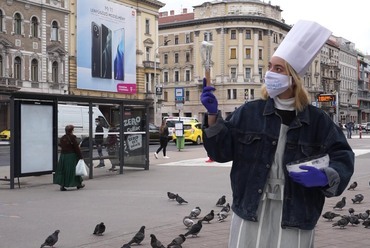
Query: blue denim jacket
<point>249,138</point>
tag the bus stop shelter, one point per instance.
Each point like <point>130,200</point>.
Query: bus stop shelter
<point>34,132</point>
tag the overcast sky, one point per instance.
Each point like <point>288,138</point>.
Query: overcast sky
<point>347,19</point>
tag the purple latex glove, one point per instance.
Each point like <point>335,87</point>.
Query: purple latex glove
<point>207,98</point>
<point>311,177</point>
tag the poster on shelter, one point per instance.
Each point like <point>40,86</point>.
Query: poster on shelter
<point>106,46</point>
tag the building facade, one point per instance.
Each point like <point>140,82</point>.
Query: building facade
<point>33,49</point>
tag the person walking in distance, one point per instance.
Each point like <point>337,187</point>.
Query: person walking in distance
<point>264,138</point>
<point>163,139</point>
<point>99,139</point>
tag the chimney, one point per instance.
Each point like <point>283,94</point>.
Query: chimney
<point>184,10</point>
<point>172,12</point>
<point>163,14</point>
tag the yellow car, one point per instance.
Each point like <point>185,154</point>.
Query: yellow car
<point>192,133</point>
<point>5,135</point>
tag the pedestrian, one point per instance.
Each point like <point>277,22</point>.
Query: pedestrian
<point>113,148</point>
<point>163,139</point>
<point>99,140</point>
<point>349,127</point>
<point>270,204</point>
<point>65,174</point>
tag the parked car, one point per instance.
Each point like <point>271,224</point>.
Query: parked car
<point>5,135</point>
<point>153,133</point>
<point>192,133</point>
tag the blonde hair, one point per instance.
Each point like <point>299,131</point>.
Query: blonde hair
<point>301,98</point>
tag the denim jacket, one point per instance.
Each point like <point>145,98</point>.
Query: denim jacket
<point>249,137</point>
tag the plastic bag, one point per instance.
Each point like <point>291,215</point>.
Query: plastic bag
<point>81,168</point>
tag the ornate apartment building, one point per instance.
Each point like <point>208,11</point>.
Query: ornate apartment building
<point>244,35</point>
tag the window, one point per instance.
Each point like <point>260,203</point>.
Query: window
<point>54,72</point>
<point>260,73</point>
<point>231,94</point>
<point>1,20</point>
<point>147,26</point>
<point>1,66</point>
<point>187,75</point>
<point>187,56</point>
<point>17,23</point>
<point>34,27</point>
<point>147,54</point>
<point>176,39</point>
<point>247,72</point>
<point>177,76</point>
<point>233,72</point>
<point>187,38</point>
<point>248,35</point>
<point>233,34</point>
<point>208,36</point>
<point>260,54</point>
<point>275,38</point>
<point>165,59</point>
<point>176,58</point>
<point>187,95</point>
<point>232,53</point>
<point>165,76</point>
<point>248,53</point>
<point>260,35</point>
<point>17,68</point>
<point>54,31</point>
<point>34,70</point>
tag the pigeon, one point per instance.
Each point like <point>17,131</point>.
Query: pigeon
<point>188,222</point>
<point>340,204</point>
<point>221,201</point>
<point>171,196</point>
<point>195,229</point>
<point>209,216</point>
<point>329,215</point>
<point>222,216</point>
<point>51,240</point>
<point>364,216</point>
<point>180,200</point>
<point>342,222</point>
<point>195,212</point>
<point>358,198</point>
<point>174,246</point>
<point>366,223</point>
<point>177,241</point>
<point>352,186</point>
<point>353,219</point>
<point>139,236</point>
<point>99,229</point>
<point>155,243</point>
<point>351,210</point>
<point>226,208</point>
<point>126,246</point>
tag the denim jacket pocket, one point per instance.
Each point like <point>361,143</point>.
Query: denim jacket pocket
<point>248,146</point>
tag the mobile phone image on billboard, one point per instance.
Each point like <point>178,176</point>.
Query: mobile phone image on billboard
<point>119,54</point>
<point>95,50</point>
<point>106,55</point>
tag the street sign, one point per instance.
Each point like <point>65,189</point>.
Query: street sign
<point>158,90</point>
<point>179,92</point>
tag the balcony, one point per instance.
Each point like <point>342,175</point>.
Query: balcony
<point>9,84</point>
<point>150,64</point>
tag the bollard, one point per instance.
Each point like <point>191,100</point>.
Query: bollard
<point>360,132</point>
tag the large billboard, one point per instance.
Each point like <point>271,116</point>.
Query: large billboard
<point>106,46</point>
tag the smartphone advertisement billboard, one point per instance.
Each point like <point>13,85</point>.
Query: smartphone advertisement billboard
<point>106,46</point>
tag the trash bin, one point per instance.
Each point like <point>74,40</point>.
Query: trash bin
<point>180,142</point>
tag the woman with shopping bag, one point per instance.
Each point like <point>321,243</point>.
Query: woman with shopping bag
<point>70,155</point>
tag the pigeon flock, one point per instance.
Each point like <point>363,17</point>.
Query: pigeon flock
<point>353,218</point>
<point>193,223</point>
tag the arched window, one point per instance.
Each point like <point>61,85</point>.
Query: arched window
<point>34,27</point>
<point>54,31</point>
<point>17,67</point>
<point>54,72</point>
<point>17,23</point>
<point>1,20</point>
<point>34,70</point>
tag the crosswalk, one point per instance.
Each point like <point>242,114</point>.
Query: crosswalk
<point>202,161</point>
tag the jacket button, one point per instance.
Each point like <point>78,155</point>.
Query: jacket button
<point>268,166</point>
<point>274,143</point>
<point>260,191</point>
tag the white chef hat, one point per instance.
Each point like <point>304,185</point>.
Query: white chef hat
<point>301,44</point>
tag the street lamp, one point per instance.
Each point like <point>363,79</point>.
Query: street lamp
<point>155,80</point>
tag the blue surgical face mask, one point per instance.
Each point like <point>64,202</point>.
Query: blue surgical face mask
<point>277,83</point>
